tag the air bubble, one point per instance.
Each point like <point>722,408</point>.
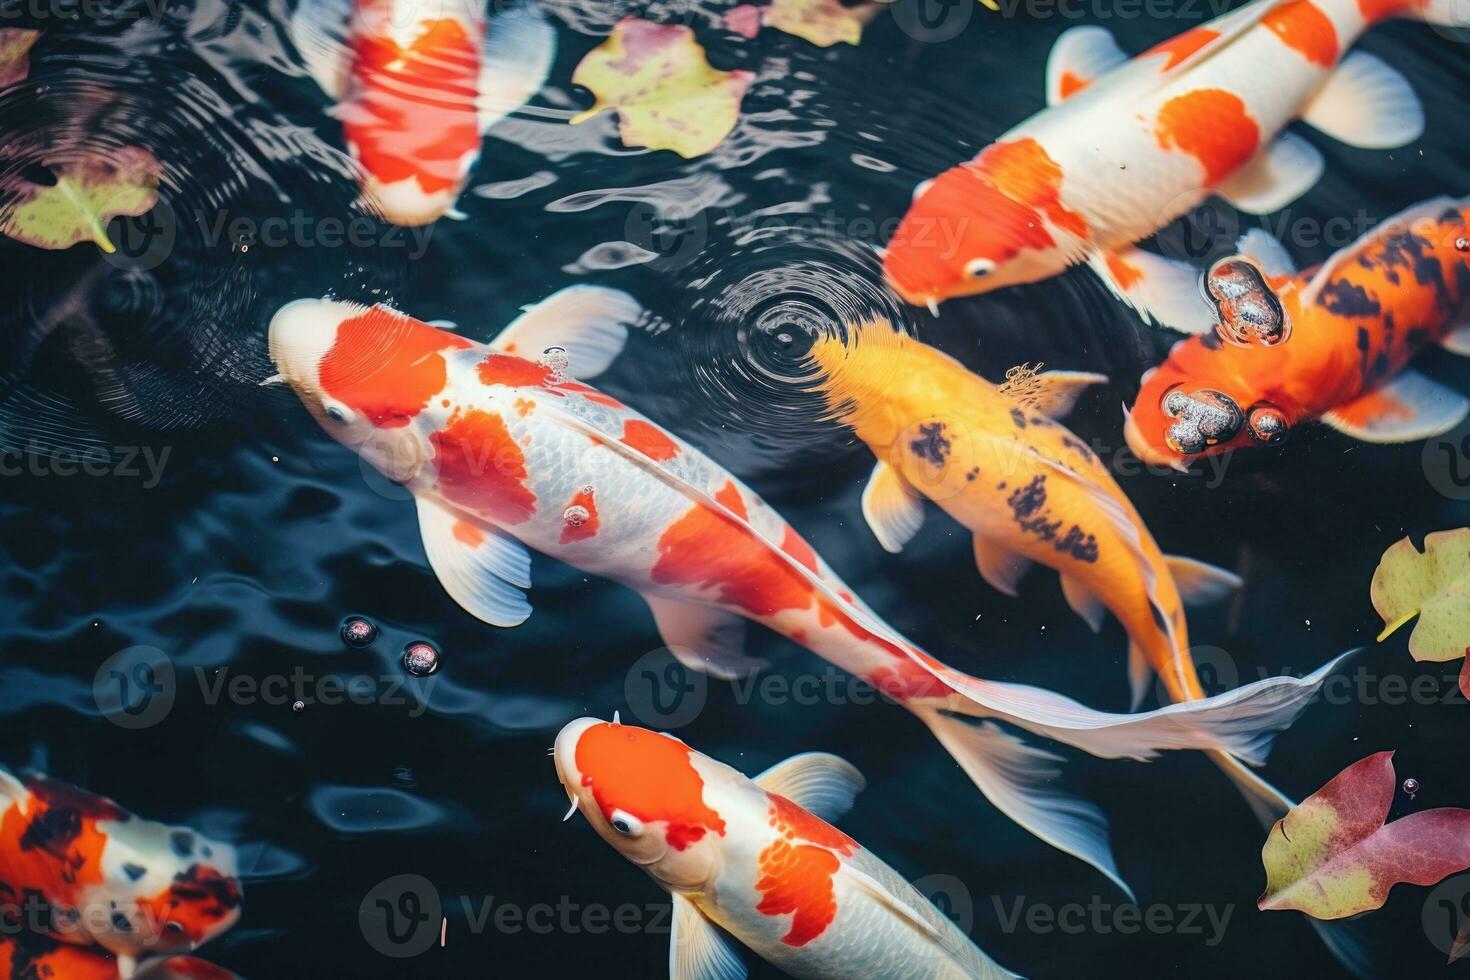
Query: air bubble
<point>358,633</point>
<point>556,359</point>
<point>1411,787</point>
<point>420,658</point>
<point>576,515</point>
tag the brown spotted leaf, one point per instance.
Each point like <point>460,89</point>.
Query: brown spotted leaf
<point>822,22</point>
<point>1333,856</point>
<point>89,191</point>
<point>1435,586</point>
<point>15,46</point>
<point>665,92</point>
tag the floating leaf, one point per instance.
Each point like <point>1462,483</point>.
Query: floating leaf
<point>15,46</point>
<point>1434,586</point>
<point>1333,856</point>
<point>657,78</point>
<point>822,22</point>
<point>89,191</point>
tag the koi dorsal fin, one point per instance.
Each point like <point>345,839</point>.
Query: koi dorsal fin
<point>589,323</point>
<point>822,784</point>
<point>1080,57</point>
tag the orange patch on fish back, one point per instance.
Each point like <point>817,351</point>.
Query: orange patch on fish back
<point>648,776</point>
<point>1023,171</point>
<point>795,546</point>
<point>198,901</point>
<point>1305,29</point>
<point>589,527</point>
<point>1212,126</point>
<point>1181,46</point>
<point>55,847</point>
<point>507,369</point>
<point>1375,10</point>
<point>796,870</point>
<point>467,534</point>
<point>650,440</point>
<point>1071,84</point>
<point>387,366</point>
<point>1125,273</point>
<point>729,495</point>
<point>708,548</point>
<point>482,469</point>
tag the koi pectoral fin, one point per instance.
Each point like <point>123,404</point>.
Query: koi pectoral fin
<point>697,948</point>
<point>1084,602</point>
<point>482,568</point>
<point>1140,673</point>
<point>1408,408</point>
<point>999,566</point>
<point>1162,291</point>
<point>1367,104</point>
<point>1200,584</point>
<point>1055,393</point>
<point>589,323</point>
<point>703,637</point>
<point>1278,175</point>
<point>824,784</point>
<point>893,510</point>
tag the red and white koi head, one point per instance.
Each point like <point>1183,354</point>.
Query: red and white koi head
<point>649,795</point>
<point>993,222</point>
<point>106,877</point>
<point>364,373</point>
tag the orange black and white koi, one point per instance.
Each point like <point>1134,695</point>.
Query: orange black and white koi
<point>995,458</point>
<point>33,956</point>
<point>86,872</point>
<point>417,86</point>
<point>1349,330</point>
<point>758,859</point>
<point>504,453</point>
<point>1126,146</point>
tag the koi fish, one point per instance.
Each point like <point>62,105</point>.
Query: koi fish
<point>1125,147</point>
<point>759,859</point>
<point>1348,331</point>
<point>32,956</point>
<point>505,453</point>
<point>417,86</point>
<point>91,873</point>
<point>998,461</point>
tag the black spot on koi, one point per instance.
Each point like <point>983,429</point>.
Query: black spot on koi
<point>931,444</point>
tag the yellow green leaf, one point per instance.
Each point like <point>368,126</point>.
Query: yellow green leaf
<point>88,193</point>
<point>822,22</point>
<point>657,78</point>
<point>15,45</point>
<point>1435,586</point>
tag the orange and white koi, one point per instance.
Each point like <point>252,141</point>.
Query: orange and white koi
<point>504,453</point>
<point>1347,333</point>
<point>418,85</point>
<point>995,458</point>
<point>84,871</point>
<point>758,859</point>
<point>1127,146</point>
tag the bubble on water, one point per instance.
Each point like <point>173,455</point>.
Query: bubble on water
<point>556,359</point>
<point>420,658</point>
<point>358,632</point>
<point>298,706</point>
<point>1462,243</point>
<point>576,515</point>
<point>1411,787</point>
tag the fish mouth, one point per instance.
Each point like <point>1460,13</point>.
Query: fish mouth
<point>1141,447</point>
<point>564,755</point>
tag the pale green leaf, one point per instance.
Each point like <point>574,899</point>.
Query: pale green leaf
<point>1435,586</point>
<point>89,191</point>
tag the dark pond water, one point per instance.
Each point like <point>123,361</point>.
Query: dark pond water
<point>231,536</point>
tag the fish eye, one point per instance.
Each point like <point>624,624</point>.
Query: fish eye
<point>337,414</point>
<point>626,824</point>
<point>975,268</point>
<point>1267,424</point>
<point>174,926</point>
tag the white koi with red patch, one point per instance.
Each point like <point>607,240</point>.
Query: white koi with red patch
<point>503,453</point>
<point>758,859</point>
<point>1125,147</point>
<point>417,86</point>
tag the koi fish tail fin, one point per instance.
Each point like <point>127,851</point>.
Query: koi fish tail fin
<point>1020,781</point>
<point>1242,722</point>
